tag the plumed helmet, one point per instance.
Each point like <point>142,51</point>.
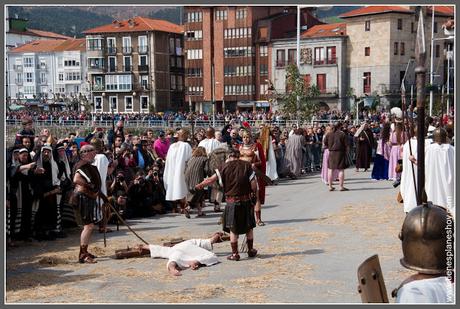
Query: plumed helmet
<point>424,237</point>
<point>440,136</point>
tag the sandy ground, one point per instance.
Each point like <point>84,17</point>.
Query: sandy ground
<point>309,251</point>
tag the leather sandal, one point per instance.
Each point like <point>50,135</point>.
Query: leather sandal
<point>187,213</point>
<point>261,223</point>
<point>87,259</point>
<point>233,257</point>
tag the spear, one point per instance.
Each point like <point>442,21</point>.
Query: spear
<point>408,125</point>
<point>420,71</point>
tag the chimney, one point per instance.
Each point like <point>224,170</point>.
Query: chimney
<point>116,23</point>
<point>131,22</point>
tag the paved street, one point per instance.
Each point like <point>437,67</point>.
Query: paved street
<point>309,251</point>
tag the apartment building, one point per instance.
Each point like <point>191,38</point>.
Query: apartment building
<point>227,53</point>
<point>136,66</point>
<point>323,56</point>
<point>381,43</point>
<point>48,71</point>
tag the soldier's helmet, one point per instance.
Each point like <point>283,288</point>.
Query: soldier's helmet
<point>424,239</point>
<point>440,136</point>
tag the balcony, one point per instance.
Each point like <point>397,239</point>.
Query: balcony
<point>111,50</point>
<point>127,50</point>
<point>325,62</point>
<point>98,88</point>
<point>328,92</point>
<point>142,49</point>
<point>127,68</point>
<point>142,68</point>
<point>96,67</point>
<point>17,67</point>
<point>280,64</point>
<point>42,67</point>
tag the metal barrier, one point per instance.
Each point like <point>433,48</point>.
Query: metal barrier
<point>163,124</point>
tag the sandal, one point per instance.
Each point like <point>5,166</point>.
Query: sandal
<point>331,189</point>
<point>344,189</point>
<point>233,257</point>
<point>261,223</point>
<point>217,209</point>
<point>87,259</point>
<point>187,212</point>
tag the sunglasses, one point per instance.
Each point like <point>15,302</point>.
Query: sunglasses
<point>86,151</point>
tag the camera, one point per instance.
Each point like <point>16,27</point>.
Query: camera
<point>120,178</point>
<point>155,173</point>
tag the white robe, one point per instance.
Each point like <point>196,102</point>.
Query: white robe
<point>185,252</point>
<point>434,290</point>
<point>271,163</point>
<point>439,175</point>
<point>407,183</point>
<point>174,174</point>
<point>102,164</point>
<point>209,144</point>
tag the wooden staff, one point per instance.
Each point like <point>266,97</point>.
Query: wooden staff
<point>420,71</point>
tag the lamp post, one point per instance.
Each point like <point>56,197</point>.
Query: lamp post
<point>134,96</point>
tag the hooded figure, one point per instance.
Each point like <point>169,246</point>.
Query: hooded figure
<point>45,210</point>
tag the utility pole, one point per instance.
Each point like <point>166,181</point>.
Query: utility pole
<point>298,59</point>
<point>420,71</point>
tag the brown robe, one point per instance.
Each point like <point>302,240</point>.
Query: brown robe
<point>337,144</point>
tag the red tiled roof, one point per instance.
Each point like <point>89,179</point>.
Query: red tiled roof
<point>443,9</point>
<point>376,9</point>
<point>48,34</point>
<point>138,24</point>
<point>325,30</point>
<point>46,46</point>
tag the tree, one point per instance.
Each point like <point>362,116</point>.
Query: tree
<point>296,88</point>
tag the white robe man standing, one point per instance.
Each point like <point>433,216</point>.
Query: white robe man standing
<point>439,171</point>
<point>210,142</point>
<point>174,174</point>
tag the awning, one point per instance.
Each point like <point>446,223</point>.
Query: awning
<point>245,103</point>
<point>262,104</point>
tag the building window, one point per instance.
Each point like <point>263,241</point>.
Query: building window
<point>291,56</point>
<point>29,78</point>
<point>69,76</point>
<point>280,58</point>
<point>144,103</point>
<point>127,64</point>
<point>367,25</point>
<point>118,82</point>
<point>241,51</point>
<point>403,51</point>
<point>195,72</point>
<point>263,50</point>
<point>194,35</point>
<point>321,82</point>
<point>113,103</point>
<point>194,54</point>
<point>143,60</point>
<point>435,27</point>
<point>142,43</point>
<point>128,103</point>
<point>395,52</point>
<point>112,64</point>
<point>319,55</point>
<point>307,80</point>
<point>42,78</point>
<point>194,17</point>
<point>173,82</point>
<point>18,78</point>
<point>331,55</point>
<point>264,69</point>
<point>127,45</point>
<point>96,63</point>
<point>437,48</point>
<point>29,90</point>
<point>93,44</point>
<point>367,82</point>
<point>97,104</point>
<point>71,63</point>
<point>263,88</point>
<point>221,14</point>
<point>61,77</point>
<point>400,22</point>
<point>28,62</point>
<point>367,51</point>
<point>145,82</point>
<point>241,13</point>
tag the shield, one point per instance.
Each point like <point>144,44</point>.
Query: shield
<point>371,285</point>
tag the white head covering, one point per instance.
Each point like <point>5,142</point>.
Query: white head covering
<point>54,167</point>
